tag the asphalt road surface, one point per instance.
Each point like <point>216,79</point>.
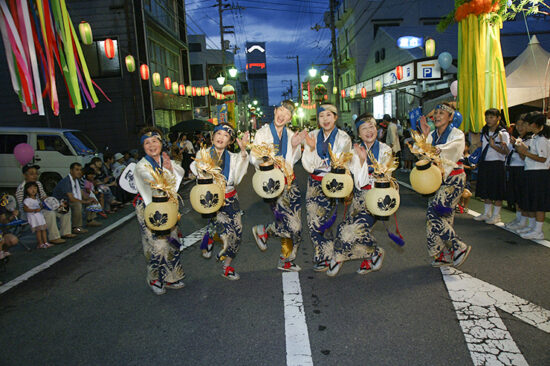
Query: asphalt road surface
<point>94,308</point>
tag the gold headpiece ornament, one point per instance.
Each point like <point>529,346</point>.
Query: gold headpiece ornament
<point>384,171</point>
<point>266,152</point>
<point>427,151</point>
<point>163,182</point>
<point>207,167</point>
<point>340,161</point>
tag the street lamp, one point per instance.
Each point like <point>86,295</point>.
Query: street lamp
<point>324,77</point>
<point>232,72</point>
<point>255,102</point>
<point>220,79</point>
<point>312,72</point>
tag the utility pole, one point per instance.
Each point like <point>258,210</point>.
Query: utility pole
<point>226,29</point>
<point>298,71</point>
<point>335,73</point>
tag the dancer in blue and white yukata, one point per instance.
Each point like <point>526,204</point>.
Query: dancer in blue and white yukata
<point>321,210</point>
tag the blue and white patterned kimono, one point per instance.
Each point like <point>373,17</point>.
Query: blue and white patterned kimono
<point>163,258</point>
<point>287,208</point>
<point>440,215</point>
<point>227,223</point>
<point>354,239</point>
<point>321,210</point>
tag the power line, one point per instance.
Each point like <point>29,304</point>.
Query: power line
<point>283,4</point>
<point>271,9</point>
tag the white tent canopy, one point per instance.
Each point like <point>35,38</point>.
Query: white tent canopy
<point>525,75</point>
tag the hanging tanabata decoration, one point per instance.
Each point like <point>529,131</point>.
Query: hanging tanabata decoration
<point>36,38</point>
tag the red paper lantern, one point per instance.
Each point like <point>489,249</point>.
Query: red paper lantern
<point>363,92</point>
<point>343,93</point>
<point>326,97</point>
<point>167,83</point>
<point>182,89</point>
<point>211,88</point>
<point>144,72</point>
<point>194,91</point>
<point>109,48</point>
<point>399,72</point>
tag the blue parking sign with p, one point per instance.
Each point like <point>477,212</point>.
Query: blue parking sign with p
<point>427,72</point>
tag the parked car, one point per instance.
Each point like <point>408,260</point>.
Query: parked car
<point>55,149</point>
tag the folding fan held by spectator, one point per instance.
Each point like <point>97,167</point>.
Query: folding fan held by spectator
<point>127,181</point>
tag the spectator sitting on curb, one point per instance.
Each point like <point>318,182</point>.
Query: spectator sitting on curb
<point>119,165</point>
<point>105,184</point>
<point>30,174</point>
<point>134,156</point>
<point>68,189</point>
<point>6,216</point>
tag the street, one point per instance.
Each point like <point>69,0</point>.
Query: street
<point>94,307</point>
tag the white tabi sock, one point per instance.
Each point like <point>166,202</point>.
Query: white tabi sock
<point>488,208</point>
<point>532,222</point>
<point>538,227</point>
<point>518,216</point>
<point>496,211</point>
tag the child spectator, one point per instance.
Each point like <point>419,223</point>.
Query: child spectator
<point>491,180</point>
<point>7,214</point>
<point>467,193</point>
<point>537,175</point>
<point>407,156</point>
<point>33,206</point>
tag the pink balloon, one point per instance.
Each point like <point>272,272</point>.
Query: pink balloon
<point>24,153</point>
<point>454,88</point>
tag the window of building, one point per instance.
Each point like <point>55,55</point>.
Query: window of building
<point>164,60</point>
<point>9,142</point>
<point>164,11</point>
<point>52,143</point>
<point>98,64</point>
<point>195,47</point>
<point>196,72</point>
<point>430,21</point>
<point>377,23</point>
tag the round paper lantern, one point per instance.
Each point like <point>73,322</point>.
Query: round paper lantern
<point>175,87</point>
<point>167,83</point>
<point>229,92</point>
<point>130,63</point>
<point>337,184</point>
<point>425,177</point>
<point>399,72</point>
<point>343,93</point>
<point>382,200</point>
<point>205,91</point>
<point>156,79</point>
<point>85,33</point>
<point>211,88</point>
<point>268,182</point>
<point>109,48</point>
<point>188,90</point>
<point>363,92</point>
<point>352,93</point>
<point>24,153</point>
<point>144,72</point>
<point>430,47</point>
<point>161,215</point>
<point>194,91</point>
<point>445,60</point>
<point>326,97</point>
<point>206,197</point>
<point>334,90</point>
<point>454,88</point>
<point>182,89</point>
<point>378,86</point>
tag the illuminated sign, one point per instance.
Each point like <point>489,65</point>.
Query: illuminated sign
<point>251,65</point>
<point>255,47</point>
<point>428,70</point>
<point>408,42</point>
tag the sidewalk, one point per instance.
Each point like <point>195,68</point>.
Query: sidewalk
<point>477,206</point>
<point>22,261</point>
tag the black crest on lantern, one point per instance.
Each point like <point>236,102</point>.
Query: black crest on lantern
<point>209,200</point>
<point>387,203</point>
<point>158,219</point>
<point>335,186</point>
<point>271,186</point>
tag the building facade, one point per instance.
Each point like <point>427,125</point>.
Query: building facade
<point>154,32</point>
<point>256,70</point>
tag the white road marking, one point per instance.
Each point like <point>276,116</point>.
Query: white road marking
<point>193,238</point>
<point>488,339</point>
<point>473,213</point>
<point>298,350</point>
<point>25,276</point>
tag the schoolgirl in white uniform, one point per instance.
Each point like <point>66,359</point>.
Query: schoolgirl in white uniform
<point>491,179</point>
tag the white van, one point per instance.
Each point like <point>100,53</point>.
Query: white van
<point>55,149</point>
